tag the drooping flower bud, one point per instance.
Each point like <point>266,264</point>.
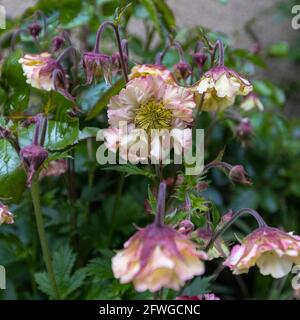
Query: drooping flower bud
<point>182,70</point>
<point>33,157</point>
<point>185,227</point>
<point>244,129</point>
<point>116,62</point>
<point>95,65</point>
<point>35,29</point>
<point>238,174</point>
<point>5,215</point>
<point>272,250</point>
<point>200,58</point>
<point>4,133</point>
<point>57,43</point>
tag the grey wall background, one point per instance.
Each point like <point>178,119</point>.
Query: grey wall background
<point>230,19</point>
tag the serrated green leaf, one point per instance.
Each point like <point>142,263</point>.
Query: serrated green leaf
<point>198,286</point>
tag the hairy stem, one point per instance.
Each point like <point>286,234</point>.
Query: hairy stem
<point>35,194</point>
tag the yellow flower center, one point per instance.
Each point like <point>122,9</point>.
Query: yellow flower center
<point>153,115</point>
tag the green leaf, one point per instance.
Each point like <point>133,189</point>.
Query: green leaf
<point>198,286</point>
<point>279,50</point>
<point>130,169</point>
<point>166,15</point>
<point>63,264</point>
<point>17,90</point>
<point>104,99</point>
<point>153,14</point>
<point>12,174</point>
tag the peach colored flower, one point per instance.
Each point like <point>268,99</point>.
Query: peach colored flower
<point>54,168</point>
<point>272,250</point>
<point>158,257</point>
<point>42,71</point>
<point>220,86</point>
<point>251,102</point>
<point>5,215</point>
<point>149,106</point>
<point>142,70</point>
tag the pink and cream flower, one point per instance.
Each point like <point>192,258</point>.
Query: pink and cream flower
<point>5,215</point>
<point>148,106</point>
<point>142,70</point>
<point>158,257</point>
<point>220,86</point>
<point>272,250</point>
<point>43,72</point>
<point>251,102</point>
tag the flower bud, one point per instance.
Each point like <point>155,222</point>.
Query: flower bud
<point>33,157</point>
<point>55,168</point>
<point>116,62</point>
<point>35,29</point>
<point>200,59</point>
<point>57,43</point>
<point>95,65</point>
<point>244,129</point>
<point>4,133</point>
<point>182,70</point>
<point>185,227</point>
<point>238,174</point>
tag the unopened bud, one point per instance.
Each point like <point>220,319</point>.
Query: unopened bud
<point>244,129</point>
<point>33,157</point>
<point>5,215</point>
<point>185,227</point>
<point>200,59</point>
<point>182,70</point>
<point>35,29</point>
<point>58,43</point>
<point>238,174</point>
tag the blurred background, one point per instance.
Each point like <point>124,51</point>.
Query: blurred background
<point>244,22</point>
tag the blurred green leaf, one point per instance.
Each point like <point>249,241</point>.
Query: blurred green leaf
<point>279,50</point>
<point>130,169</point>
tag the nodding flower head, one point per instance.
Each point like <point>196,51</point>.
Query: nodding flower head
<point>238,174</point>
<point>5,215</point>
<point>185,227</point>
<point>43,72</point>
<point>220,86</point>
<point>33,157</point>
<point>158,257</point>
<point>272,250</point>
<point>57,43</point>
<point>251,101</point>
<point>182,70</point>
<point>116,62</point>
<point>200,58</point>
<point>143,70</point>
<point>96,65</point>
<point>244,130</point>
<point>35,29</point>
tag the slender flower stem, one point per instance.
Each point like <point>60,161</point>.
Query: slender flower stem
<point>35,194</point>
<point>65,52</point>
<point>161,201</point>
<point>238,214</point>
<point>14,38</point>
<point>218,45</point>
<point>102,27</point>
<point>215,164</point>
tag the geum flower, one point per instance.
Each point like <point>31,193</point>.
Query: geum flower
<point>142,70</point>
<point>43,72</point>
<point>5,215</point>
<point>272,250</point>
<point>158,257</point>
<point>148,105</point>
<point>220,86</point>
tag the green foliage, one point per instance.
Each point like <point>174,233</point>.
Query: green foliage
<point>68,282</point>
